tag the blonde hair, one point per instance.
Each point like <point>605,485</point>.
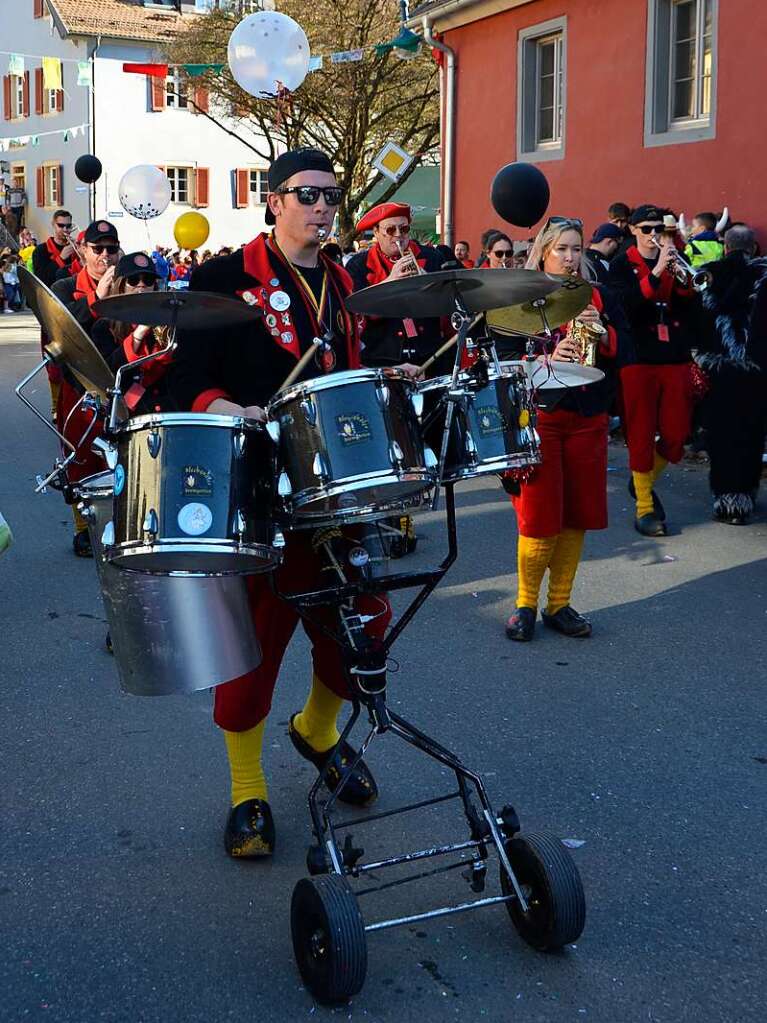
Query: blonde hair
<point>546,239</point>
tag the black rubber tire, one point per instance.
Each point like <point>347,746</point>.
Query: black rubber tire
<point>550,881</point>
<point>329,940</point>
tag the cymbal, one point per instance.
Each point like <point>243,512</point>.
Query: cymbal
<point>434,294</point>
<point>188,310</point>
<point>66,341</point>
<point>571,297</point>
<point>560,374</point>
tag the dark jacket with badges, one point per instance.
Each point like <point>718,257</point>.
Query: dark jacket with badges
<point>247,364</point>
<point>664,316</point>
<point>386,341</point>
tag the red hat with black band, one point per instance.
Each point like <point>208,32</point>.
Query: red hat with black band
<point>383,211</point>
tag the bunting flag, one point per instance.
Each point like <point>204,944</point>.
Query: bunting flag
<point>346,56</point>
<point>52,73</point>
<point>153,70</point>
<point>16,64</point>
<point>195,70</point>
<point>18,141</point>
<point>315,64</point>
<point>84,73</point>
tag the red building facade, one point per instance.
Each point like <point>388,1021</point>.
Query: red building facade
<point>630,100</point>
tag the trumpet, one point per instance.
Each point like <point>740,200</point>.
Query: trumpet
<point>685,273</point>
<point>412,263</point>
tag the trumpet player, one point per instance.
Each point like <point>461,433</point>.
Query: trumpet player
<point>567,493</point>
<point>656,380</point>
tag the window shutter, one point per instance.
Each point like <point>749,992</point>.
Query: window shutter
<point>40,186</point>
<point>7,97</point>
<point>38,90</point>
<point>25,110</point>
<point>200,98</point>
<point>59,100</point>
<point>201,182</point>
<point>59,175</point>
<point>242,178</point>
<point>157,86</point>
<point>39,8</point>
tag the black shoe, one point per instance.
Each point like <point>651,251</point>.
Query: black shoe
<point>733,509</point>
<point>657,506</point>
<point>521,625</point>
<point>359,786</point>
<point>249,830</point>
<point>648,525</point>
<point>108,643</point>
<point>81,545</point>
<point>568,622</point>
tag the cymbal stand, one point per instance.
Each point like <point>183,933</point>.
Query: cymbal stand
<point>116,393</point>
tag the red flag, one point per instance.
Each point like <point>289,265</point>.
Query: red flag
<point>155,70</point>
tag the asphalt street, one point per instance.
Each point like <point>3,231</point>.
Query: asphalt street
<point>645,745</point>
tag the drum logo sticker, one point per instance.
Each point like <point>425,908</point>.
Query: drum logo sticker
<point>197,481</point>
<point>353,429</point>
<point>194,519</point>
<point>489,420</point>
<point>119,480</point>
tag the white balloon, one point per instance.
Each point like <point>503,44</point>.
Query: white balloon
<point>144,191</point>
<point>267,52</point>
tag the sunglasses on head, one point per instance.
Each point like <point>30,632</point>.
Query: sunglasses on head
<point>574,222</point>
<point>308,195</point>
<point>111,250</point>
<point>393,229</point>
<point>135,279</point>
<point>651,228</point>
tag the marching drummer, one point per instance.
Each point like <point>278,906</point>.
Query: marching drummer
<point>100,250</point>
<point>300,292</point>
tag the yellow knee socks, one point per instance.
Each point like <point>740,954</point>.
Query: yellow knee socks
<point>244,751</point>
<point>533,556</point>
<point>562,568</point>
<point>643,482</point>
<point>317,721</point>
<point>80,524</point>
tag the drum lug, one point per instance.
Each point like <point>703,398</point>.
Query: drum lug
<point>109,451</point>
<point>86,510</point>
<point>153,442</point>
<point>309,410</point>
<point>151,524</point>
<point>284,486</point>
<point>239,444</point>
<point>319,468</point>
<point>384,394</point>
<point>396,453</point>
<point>416,400</point>
<point>273,429</point>
<point>108,536</point>
<point>239,525</point>
<point>279,540</point>
<point>430,459</point>
<point>470,447</point>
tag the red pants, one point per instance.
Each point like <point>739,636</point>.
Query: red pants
<point>86,461</point>
<point>243,702</point>
<point>657,400</point>
<point>568,490</point>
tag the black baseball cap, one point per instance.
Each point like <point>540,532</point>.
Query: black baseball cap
<point>99,230</point>
<point>293,162</point>
<point>135,263</point>
<point>647,212</point>
<point>607,231</point>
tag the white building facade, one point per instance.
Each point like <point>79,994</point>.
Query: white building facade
<point>129,119</point>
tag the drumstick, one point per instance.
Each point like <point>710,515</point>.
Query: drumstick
<point>301,364</point>
<point>446,346</point>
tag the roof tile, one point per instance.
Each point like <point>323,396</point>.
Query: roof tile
<point>118,19</point>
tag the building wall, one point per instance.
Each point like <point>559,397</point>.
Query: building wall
<point>605,158</point>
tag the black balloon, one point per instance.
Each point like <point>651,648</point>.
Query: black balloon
<point>88,169</point>
<point>520,194</point>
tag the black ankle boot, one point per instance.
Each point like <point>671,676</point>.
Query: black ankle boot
<point>521,625</point>
<point>249,832</point>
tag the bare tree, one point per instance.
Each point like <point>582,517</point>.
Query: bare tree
<point>349,109</point>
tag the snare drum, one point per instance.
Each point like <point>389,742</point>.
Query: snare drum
<point>170,634</point>
<point>493,424</point>
<point>351,448</point>
<point>193,493</point>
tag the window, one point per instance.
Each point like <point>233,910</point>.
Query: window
<point>681,71</point>
<point>19,176</point>
<point>176,90</point>
<point>179,184</point>
<point>17,96</point>
<point>541,91</point>
<point>259,187</point>
<point>52,186</point>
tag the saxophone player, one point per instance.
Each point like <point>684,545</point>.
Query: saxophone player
<point>567,494</point>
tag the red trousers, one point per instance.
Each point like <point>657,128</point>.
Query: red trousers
<point>568,490</point>
<point>245,701</point>
<point>657,400</point>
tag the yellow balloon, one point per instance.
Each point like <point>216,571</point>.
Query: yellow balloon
<point>191,230</point>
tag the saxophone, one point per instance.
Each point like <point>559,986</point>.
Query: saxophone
<point>586,336</point>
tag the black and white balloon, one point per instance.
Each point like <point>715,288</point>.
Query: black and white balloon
<point>520,194</point>
<point>88,169</point>
<point>144,192</point>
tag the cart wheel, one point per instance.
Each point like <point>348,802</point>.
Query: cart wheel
<point>550,882</point>
<point>328,938</point>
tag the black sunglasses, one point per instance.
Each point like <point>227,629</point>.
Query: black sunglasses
<point>135,279</point>
<point>575,222</point>
<point>65,227</point>
<point>308,195</point>
<point>502,253</point>
<point>111,250</point>
<point>651,228</point>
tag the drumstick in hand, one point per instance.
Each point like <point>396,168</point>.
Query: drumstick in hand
<point>302,363</point>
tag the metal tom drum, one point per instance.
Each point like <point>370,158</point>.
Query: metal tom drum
<point>170,634</point>
<point>193,493</point>
<point>351,448</point>
<point>493,424</point>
